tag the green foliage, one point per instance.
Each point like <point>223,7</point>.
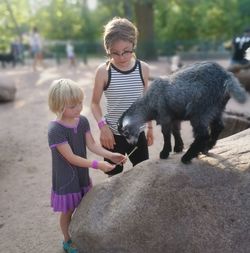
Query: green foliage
<point>14,15</point>
<point>189,22</point>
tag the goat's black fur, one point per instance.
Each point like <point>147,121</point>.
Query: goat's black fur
<point>198,93</point>
<point>7,58</point>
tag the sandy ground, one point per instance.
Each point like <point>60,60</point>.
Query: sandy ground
<point>27,223</point>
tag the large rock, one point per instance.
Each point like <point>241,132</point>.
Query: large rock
<point>7,91</point>
<point>165,206</point>
<point>234,123</point>
<point>242,72</point>
<point>244,78</point>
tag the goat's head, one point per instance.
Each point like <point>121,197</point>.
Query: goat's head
<point>129,128</point>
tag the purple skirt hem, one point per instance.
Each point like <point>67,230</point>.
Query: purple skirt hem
<point>66,202</point>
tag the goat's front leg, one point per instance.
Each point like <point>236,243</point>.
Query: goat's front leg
<point>166,131</point>
<point>176,130</point>
<point>201,135</point>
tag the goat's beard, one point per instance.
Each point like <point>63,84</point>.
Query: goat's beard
<point>132,139</point>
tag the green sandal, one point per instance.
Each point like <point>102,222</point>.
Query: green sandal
<point>68,248</point>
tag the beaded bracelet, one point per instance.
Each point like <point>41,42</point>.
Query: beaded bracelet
<point>94,164</point>
<point>102,123</point>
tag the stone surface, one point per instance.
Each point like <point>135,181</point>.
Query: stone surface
<point>7,91</point>
<point>244,78</point>
<point>166,206</point>
<point>242,72</point>
<point>234,123</point>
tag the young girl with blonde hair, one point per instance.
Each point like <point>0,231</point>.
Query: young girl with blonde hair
<point>69,135</point>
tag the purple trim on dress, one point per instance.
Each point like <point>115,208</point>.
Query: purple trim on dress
<point>70,201</point>
<point>66,125</point>
<point>54,145</point>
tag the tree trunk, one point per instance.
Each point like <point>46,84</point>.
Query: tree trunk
<point>13,18</point>
<point>145,24</point>
<point>127,7</point>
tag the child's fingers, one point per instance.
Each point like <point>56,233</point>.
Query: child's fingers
<point>111,166</point>
<point>122,161</point>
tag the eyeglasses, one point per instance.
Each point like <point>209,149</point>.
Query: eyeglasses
<point>125,53</point>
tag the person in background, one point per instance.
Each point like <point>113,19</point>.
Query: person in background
<point>70,54</point>
<point>36,46</point>
<point>69,135</point>
<point>176,63</point>
<point>17,50</point>
<point>122,79</point>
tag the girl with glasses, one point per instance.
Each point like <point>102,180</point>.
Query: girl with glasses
<point>122,79</point>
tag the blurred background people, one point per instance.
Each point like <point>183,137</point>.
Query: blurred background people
<point>36,46</point>
<point>17,50</point>
<point>70,51</point>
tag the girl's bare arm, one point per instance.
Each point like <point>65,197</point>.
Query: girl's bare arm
<point>99,150</point>
<point>106,136</point>
<point>66,151</point>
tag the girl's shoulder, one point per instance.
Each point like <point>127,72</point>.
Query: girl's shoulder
<point>145,69</point>
<point>102,74</point>
<point>53,125</point>
<point>84,123</point>
<point>144,65</point>
<point>56,132</point>
<point>102,68</point>
<point>83,118</point>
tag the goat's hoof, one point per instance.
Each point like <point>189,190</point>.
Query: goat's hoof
<point>164,155</point>
<point>205,152</point>
<point>185,160</point>
<point>178,149</point>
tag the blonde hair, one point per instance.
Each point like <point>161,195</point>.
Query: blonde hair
<point>119,29</point>
<point>63,92</point>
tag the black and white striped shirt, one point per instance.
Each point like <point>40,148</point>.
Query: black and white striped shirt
<point>122,89</point>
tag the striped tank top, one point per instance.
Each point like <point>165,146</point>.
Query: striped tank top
<point>122,89</point>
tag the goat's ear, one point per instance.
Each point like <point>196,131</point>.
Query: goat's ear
<point>125,123</point>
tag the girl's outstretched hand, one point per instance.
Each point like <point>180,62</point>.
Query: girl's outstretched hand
<point>105,166</point>
<point>118,158</point>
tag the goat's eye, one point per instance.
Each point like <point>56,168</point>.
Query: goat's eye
<point>126,133</point>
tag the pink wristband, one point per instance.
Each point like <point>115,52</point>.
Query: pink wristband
<point>94,164</point>
<point>102,123</point>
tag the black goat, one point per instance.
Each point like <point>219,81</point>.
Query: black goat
<point>198,93</point>
<point>7,58</point>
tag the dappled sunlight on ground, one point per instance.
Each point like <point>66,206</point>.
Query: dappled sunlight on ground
<point>48,75</point>
<point>19,104</point>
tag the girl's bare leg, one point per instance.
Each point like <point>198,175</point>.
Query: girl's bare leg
<point>65,219</point>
